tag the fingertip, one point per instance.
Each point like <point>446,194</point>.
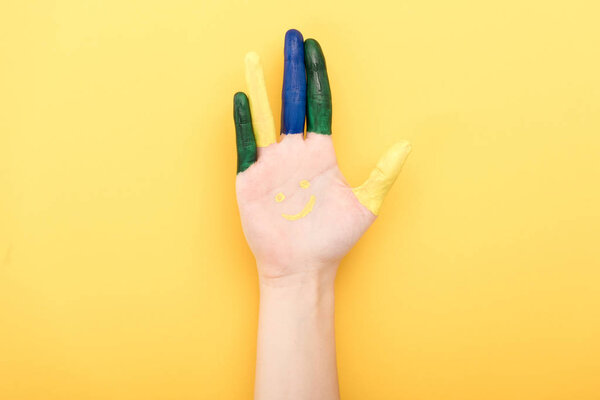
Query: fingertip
<point>252,58</point>
<point>311,43</point>
<point>294,43</point>
<point>401,149</point>
<point>393,159</point>
<point>241,108</point>
<point>404,143</point>
<point>313,54</point>
<point>240,98</point>
<point>294,32</point>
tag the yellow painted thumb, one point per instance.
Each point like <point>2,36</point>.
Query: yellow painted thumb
<point>372,192</point>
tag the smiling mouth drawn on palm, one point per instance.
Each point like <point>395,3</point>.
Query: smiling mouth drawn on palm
<point>308,207</point>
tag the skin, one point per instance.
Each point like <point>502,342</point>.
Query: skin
<point>337,221</point>
<point>297,259</point>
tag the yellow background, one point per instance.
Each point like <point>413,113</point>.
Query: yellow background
<point>124,273</point>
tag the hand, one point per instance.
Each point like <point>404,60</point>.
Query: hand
<point>298,212</point>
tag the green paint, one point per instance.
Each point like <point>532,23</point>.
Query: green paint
<point>244,135</point>
<point>318,93</point>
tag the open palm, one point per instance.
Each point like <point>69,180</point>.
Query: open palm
<point>298,212</point>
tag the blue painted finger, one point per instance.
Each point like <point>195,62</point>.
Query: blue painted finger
<point>293,108</point>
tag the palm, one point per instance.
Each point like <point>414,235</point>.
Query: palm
<point>281,227</point>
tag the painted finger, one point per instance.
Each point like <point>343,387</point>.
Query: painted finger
<point>318,110</point>
<point>244,136</point>
<point>262,117</point>
<point>293,94</point>
<point>372,192</point>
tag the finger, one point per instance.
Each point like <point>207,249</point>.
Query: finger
<point>262,117</point>
<point>372,192</point>
<point>318,110</point>
<point>293,107</point>
<point>244,136</point>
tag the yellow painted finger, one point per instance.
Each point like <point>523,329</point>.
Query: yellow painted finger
<point>262,117</point>
<point>373,191</point>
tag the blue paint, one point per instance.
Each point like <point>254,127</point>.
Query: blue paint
<point>293,95</point>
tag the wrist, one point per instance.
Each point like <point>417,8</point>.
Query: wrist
<point>301,293</point>
<point>307,275</point>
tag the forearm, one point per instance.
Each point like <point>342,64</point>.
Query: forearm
<point>296,341</point>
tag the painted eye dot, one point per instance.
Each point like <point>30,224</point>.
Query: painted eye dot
<point>304,184</point>
<point>279,197</point>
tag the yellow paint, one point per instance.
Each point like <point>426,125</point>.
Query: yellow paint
<point>279,197</point>
<point>372,193</point>
<point>262,117</point>
<point>305,211</point>
<point>304,184</point>
<point>124,273</point>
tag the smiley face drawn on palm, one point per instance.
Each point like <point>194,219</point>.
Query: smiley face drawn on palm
<point>295,205</point>
<point>308,207</point>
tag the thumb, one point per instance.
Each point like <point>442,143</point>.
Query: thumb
<point>372,192</point>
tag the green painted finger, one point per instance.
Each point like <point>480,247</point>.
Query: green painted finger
<point>244,135</point>
<point>318,93</point>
